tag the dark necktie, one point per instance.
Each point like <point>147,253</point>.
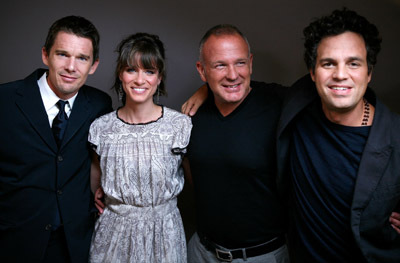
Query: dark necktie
<point>60,122</point>
<point>59,125</point>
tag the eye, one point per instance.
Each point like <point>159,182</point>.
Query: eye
<point>84,59</point>
<point>130,70</point>
<point>61,54</point>
<point>327,64</point>
<point>354,64</point>
<point>241,63</point>
<point>151,72</point>
<point>220,66</point>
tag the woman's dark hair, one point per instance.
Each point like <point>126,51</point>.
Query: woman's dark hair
<point>140,50</point>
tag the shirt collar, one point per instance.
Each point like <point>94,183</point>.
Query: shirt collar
<point>48,96</point>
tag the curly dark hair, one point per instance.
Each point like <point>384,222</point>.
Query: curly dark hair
<point>140,50</point>
<point>338,22</point>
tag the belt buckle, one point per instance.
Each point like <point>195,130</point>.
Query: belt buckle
<point>223,255</point>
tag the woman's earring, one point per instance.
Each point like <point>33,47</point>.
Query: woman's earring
<point>120,93</point>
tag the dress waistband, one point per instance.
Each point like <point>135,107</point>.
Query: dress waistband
<point>141,213</point>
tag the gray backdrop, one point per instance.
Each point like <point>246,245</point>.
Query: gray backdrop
<point>274,29</point>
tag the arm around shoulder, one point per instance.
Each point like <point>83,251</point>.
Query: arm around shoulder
<point>191,106</point>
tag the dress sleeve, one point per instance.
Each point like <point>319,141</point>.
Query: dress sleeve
<point>182,136</point>
<point>93,138</point>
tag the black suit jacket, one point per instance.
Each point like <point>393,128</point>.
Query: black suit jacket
<point>36,176</point>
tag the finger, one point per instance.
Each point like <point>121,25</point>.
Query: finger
<point>101,210</point>
<point>188,107</point>
<point>194,109</point>
<point>395,221</point>
<point>395,215</point>
<point>396,228</point>
<point>183,108</point>
<point>99,203</point>
<point>99,193</point>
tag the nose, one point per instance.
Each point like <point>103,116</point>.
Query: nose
<point>232,73</point>
<point>70,67</point>
<point>139,78</point>
<point>340,72</point>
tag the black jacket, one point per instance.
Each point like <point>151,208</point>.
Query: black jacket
<point>377,189</point>
<point>35,175</point>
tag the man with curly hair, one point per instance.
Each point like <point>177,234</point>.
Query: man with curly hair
<point>339,148</point>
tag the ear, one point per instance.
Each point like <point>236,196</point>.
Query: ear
<point>201,70</point>
<point>45,57</point>
<point>94,66</point>
<point>159,79</point>
<point>370,75</point>
<point>312,74</point>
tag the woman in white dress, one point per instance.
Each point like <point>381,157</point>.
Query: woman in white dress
<point>137,163</point>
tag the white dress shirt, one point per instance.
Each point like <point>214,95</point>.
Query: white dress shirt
<point>50,99</point>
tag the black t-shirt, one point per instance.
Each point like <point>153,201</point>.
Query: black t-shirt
<point>233,165</point>
<point>324,161</point>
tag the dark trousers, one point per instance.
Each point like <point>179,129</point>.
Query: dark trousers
<point>57,249</point>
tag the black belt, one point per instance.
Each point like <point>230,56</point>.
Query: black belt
<point>228,255</point>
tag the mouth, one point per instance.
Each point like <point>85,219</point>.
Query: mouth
<point>68,78</point>
<point>340,90</point>
<point>139,90</point>
<point>231,87</point>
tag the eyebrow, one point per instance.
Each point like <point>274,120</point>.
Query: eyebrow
<point>328,59</point>
<point>84,56</point>
<point>62,51</point>
<point>224,62</point>
<point>355,59</point>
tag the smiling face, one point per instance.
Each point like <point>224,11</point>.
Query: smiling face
<point>227,66</point>
<point>139,84</point>
<point>70,61</point>
<point>341,72</point>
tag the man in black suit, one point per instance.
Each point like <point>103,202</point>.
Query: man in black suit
<point>45,199</point>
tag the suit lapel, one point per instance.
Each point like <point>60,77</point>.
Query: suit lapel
<point>369,174</point>
<point>31,105</point>
<point>375,157</point>
<point>80,113</point>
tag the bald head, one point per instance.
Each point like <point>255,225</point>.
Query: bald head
<point>221,30</point>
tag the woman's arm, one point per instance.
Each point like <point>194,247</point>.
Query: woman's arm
<point>95,185</point>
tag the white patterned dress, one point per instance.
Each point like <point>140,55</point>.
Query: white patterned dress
<point>141,178</point>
